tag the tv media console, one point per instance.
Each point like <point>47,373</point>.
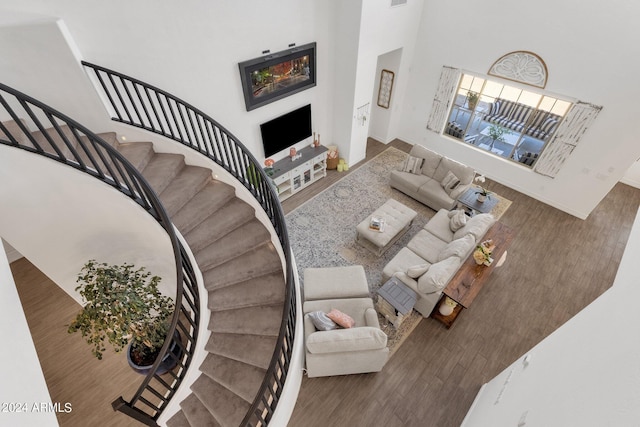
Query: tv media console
<point>290,176</point>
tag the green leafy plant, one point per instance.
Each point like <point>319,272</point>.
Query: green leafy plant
<point>472,97</point>
<point>497,133</point>
<point>123,305</point>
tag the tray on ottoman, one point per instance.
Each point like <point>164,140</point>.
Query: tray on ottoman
<point>396,219</point>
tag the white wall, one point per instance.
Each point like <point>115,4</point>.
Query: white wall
<point>584,374</point>
<point>588,51</point>
<point>191,50</point>
<point>383,29</point>
<point>22,378</point>
<point>380,122</point>
<point>59,218</point>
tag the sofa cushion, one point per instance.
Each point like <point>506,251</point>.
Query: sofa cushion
<point>438,275</point>
<point>463,172</point>
<point>450,182</point>
<point>407,181</point>
<point>457,219</point>
<point>404,259</point>
<point>335,282</point>
<point>427,246</point>
<point>477,226</point>
<point>435,195</point>
<point>431,159</point>
<point>341,340</point>
<point>321,321</point>
<point>439,226</point>
<point>459,247</point>
<point>354,307</point>
<point>412,165</point>
<point>416,271</point>
<point>341,318</point>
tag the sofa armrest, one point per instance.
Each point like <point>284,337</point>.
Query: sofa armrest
<point>371,318</point>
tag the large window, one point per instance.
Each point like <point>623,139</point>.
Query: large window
<point>505,120</point>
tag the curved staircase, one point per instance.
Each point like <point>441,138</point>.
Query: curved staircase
<point>243,276</point>
<point>241,269</point>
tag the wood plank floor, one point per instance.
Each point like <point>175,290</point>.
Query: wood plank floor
<point>72,373</point>
<point>556,266</point>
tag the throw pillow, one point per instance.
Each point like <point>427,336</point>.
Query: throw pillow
<point>458,220</point>
<point>321,321</point>
<point>413,164</point>
<point>417,270</point>
<point>459,247</point>
<point>341,318</point>
<point>438,275</point>
<point>450,182</point>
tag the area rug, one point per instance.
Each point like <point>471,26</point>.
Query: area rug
<point>322,231</point>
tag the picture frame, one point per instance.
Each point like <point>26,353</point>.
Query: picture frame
<point>386,87</point>
<point>272,77</point>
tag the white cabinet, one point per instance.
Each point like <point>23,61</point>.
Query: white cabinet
<point>289,176</point>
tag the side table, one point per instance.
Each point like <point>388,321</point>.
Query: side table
<point>465,285</point>
<point>395,301</point>
<point>469,199</point>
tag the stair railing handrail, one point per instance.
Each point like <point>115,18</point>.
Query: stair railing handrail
<point>96,157</point>
<point>145,106</point>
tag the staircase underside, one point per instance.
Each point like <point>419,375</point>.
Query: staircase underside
<point>242,273</point>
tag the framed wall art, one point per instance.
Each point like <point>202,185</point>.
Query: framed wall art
<point>275,76</point>
<point>386,86</point>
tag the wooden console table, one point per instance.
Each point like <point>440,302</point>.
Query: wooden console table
<point>471,277</point>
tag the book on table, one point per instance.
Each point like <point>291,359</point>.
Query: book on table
<point>377,224</point>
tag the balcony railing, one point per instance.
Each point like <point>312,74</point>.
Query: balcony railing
<point>39,129</point>
<point>144,106</point>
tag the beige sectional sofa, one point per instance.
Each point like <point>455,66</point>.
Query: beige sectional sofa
<point>434,255</point>
<point>424,178</point>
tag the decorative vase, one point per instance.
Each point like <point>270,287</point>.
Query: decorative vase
<point>482,198</point>
<point>447,306</point>
<point>169,361</point>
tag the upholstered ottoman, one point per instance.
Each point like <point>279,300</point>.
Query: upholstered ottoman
<point>396,219</point>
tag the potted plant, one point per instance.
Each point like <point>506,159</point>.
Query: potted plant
<point>124,307</point>
<point>472,99</point>
<point>497,133</point>
<point>482,192</point>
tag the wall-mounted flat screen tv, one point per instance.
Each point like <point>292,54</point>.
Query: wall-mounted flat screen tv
<point>286,130</point>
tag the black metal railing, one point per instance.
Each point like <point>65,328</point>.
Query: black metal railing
<point>144,106</point>
<point>35,127</point>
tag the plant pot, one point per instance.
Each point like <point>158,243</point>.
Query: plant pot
<point>482,198</point>
<point>168,362</point>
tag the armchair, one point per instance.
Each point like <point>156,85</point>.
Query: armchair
<point>360,349</point>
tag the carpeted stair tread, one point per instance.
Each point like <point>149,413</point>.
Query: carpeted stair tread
<point>161,170</point>
<point>138,153</point>
<point>208,200</point>
<point>254,350</point>
<point>226,407</point>
<point>179,419</point>
<point>183,187</point>
<point>197,413</point>
<point>229,217</point>
<point>51,133</point>
<point>14,129</point>
<point>257,262</point>
<point>267,289</point>
<point>98,158</point>
<point>235,243</point>
<point>263,320</point>
<point>238,377</point>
